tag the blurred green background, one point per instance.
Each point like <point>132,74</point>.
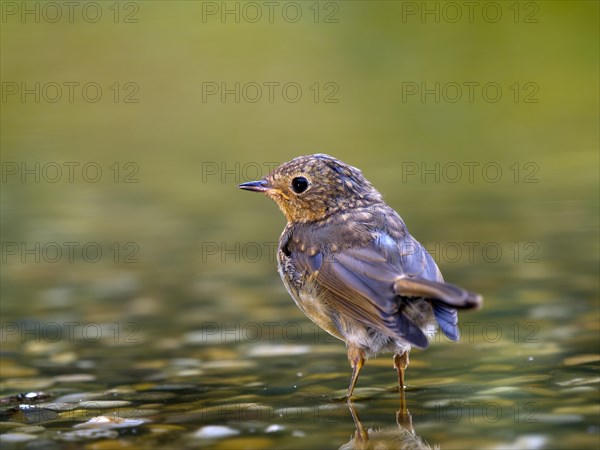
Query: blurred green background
<point>201,250</point>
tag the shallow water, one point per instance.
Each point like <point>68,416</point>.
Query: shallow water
<point>525,374</point>
<point>143,309</point>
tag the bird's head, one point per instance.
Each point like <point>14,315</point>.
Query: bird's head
<point>310,188</point>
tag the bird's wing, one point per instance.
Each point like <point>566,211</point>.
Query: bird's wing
<point>360,284</point>
<point>365,284</point>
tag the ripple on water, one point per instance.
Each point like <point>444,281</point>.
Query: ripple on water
<point>522,379</point>
<point>10,369</point>
<point>581,359</point>
<point>250,442</point>
<point>26,384</point>
<point>578,409</point>
<point>579,381</point>
<point>103,404</point>
<point>559,419</point>
<point>150,396</point>
<point>173,387</point>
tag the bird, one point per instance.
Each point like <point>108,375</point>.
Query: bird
<point>349,263</point>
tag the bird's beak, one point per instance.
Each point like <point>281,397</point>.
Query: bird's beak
<point>256,186</point>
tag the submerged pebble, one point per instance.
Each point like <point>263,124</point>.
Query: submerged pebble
<point>32,429</point>
<point>34,414</point>
<point>16,437</point>
<point>229,364</point>
<point>55,406</point>
<point>277,350</point>
<point>78,397</point>
<point>105,422</point>
<point>215,432</point>
<point>86,435</point>
<point>531,442</point>
<point>165,428</point>
<point>75,378</point>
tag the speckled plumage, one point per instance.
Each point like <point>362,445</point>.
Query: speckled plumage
<point>351,266</point>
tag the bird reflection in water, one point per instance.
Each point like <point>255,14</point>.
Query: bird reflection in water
<point>401,437</point>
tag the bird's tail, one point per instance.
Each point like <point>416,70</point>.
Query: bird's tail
<point>448,294</point>
<point>445,300</point>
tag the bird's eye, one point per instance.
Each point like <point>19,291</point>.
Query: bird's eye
<point>299,184</point>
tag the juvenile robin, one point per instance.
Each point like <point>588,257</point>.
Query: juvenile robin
<point>351,266</point>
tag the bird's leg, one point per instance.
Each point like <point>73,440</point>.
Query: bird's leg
<point>401,363</point>
<point>356,356</point>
